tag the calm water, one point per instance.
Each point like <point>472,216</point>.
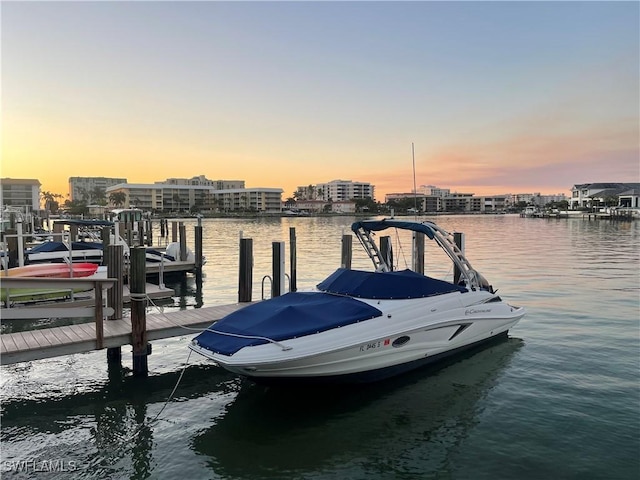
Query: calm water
<point>560,399</point>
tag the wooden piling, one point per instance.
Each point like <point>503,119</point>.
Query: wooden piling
<point>418,252</point>
<point>347,251</point>
<point>98,316</point>
<point>114,256</point>
<point>174,231</point>
<point>105,237</point>
<point>245,279</point>
<point>198,244</point>
<point>141,237</point>
<point>12,247</point>
<point>163,222</point>
<point>114,260</point>
<point>73,233</point>
<point>386,250</point>
<point>183,242</point>
<point>137,287</point>
<point>293,262</point>
<point>129,236</point>
<point>149,233</point>
<point>277,269</point>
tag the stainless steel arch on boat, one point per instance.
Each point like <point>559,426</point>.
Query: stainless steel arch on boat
<point>364,229</point>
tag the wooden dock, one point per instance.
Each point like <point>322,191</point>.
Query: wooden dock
<point>81,305</point>
<point>81,338</point>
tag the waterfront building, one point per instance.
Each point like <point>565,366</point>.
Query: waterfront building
<point>85,188</point>
<point>455,202</point>
<point>432,190</point>
<point>202,181</point>
<point>537,199</point>
<point>587,195</point>
<point>343,190</point>
<point>20,194</point>
<point>629,198</point>
<point>203,197</point>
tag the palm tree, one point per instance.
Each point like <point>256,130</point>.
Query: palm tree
<point>117,198</point>
<point>50,203</point>
<point>98,196</point>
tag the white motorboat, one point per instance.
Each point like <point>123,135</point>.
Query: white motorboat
<point>90,247</point>
<point>360,326</point>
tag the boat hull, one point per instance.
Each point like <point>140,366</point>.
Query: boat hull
<point>357,359</point>
<point>378,374</point>
<point>53,270</point>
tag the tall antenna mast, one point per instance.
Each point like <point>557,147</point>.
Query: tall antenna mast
<point>415,190</point>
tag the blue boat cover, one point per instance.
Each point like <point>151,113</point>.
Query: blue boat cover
<point>86,223</point>
<point>385,285</point>
<point>289,316</point>
<point>61,247</point>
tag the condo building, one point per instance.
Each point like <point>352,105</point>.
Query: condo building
<point>182,195</point>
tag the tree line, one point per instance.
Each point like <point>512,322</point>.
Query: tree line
<point>52,202</point>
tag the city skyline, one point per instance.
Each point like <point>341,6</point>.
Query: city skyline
<point>497,97</point>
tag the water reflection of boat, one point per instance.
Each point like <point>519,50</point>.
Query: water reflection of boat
<point>359,326</point>
<point>302,432</point>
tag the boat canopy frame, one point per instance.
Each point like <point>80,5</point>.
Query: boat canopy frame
<point>365,229</point>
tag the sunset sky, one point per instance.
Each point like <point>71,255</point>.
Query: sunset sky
<point>497,97</point>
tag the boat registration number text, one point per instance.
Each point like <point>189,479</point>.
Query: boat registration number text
<point>372,345</point>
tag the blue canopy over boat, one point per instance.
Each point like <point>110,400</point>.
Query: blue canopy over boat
<point>86,223</point>
<point>385,285</point>
<point>61,247</point>
<point>292,315</point>
<point>377,225</point>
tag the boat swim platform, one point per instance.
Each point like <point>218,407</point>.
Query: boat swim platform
<point>81,338</point>
<point>153,268</point>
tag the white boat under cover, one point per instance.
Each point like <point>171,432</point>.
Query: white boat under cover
<point>358,326</point>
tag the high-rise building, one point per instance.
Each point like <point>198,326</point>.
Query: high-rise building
<point>87,188</point>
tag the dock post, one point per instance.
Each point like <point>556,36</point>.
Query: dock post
<point>386,249</point>
<point>129,235</point>
<point>198,244</point>
<point>115,268</point>
<point>458,239</point>
<point>347,249</point>
<point>293,262</point>
<point>162,230</point>
<point>12,247</point>
<point>174,231</point>
<point>105,237</point>
<point>245,281</point>
<point>141,241</point>
<point>183,242</point>
<point>98,315</point>
<point>418,252</point>
<point>73,233</point>
<point>277,268</point>
<point>149,233</point>
<point>20,234</point>
<point>137,287</point>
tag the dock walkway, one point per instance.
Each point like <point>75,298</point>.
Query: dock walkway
<point>52,342</point>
